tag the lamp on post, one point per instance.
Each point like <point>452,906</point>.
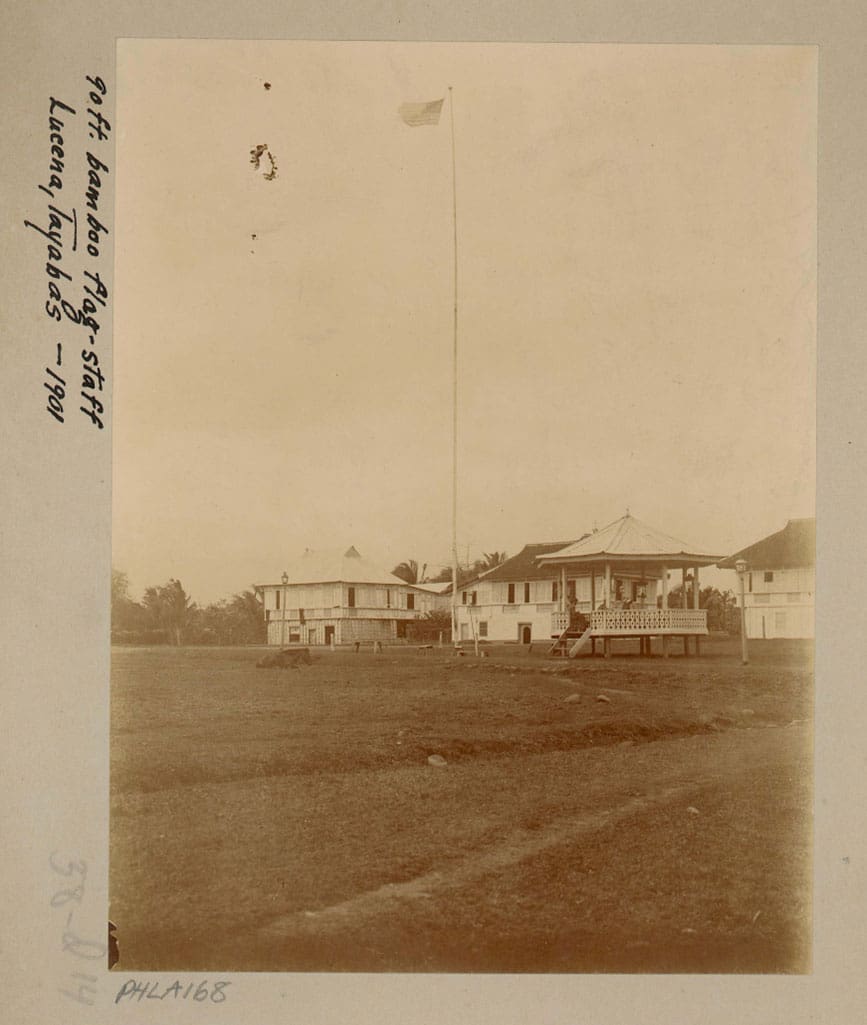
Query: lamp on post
<point>285,579</point>
<point>741,568</point>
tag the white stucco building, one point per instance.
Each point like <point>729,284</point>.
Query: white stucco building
<point>513,601</point>
<point>780,582</point>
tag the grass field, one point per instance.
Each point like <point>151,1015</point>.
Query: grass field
<point>290,819</point>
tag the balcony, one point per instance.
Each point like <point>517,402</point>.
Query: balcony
<point>342,612</point>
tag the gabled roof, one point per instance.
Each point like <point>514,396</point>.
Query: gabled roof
<point>336,566</point>
<point>793,546</point>
<point>523,566</point>
<point>625,539</point>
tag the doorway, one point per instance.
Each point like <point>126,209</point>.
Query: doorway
<point>525,632</point>
<point>329,635</point>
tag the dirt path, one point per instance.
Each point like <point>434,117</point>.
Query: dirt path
<point>681,770</point>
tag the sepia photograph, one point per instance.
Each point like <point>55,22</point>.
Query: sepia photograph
<point>463,508</point>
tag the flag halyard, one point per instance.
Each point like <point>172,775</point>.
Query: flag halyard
<point>415,114</point>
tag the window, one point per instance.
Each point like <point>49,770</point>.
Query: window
<point>277,596</point>
<point>474,597</point>
<point>555,591</point>
<point>511,598</point>
<point>350,597</point>
<point>463,598</point>
<point>526,593</point>
<point>387,599</point>
<point>769,576</point>
<point>483,628</point>
<point>410,601</point>
<point>750,582</point>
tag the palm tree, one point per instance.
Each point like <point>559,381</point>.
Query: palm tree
<point>247,610</point>
<point>407,570</point>
<point>170,608</point>
<point>489,560</point>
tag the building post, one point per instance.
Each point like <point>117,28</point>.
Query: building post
<point>592,605</point>
<point>606,644</point>
<point>684,604</point>
<point>741,568</point>
<point>696,604</point>
<point>285,579</point>
<point>664,607</point>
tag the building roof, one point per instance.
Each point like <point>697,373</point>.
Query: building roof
<point>793,546</point>
<point>523,566</point>
<point>433,587</point>
<point>336,566</point>
<point>627,539</point>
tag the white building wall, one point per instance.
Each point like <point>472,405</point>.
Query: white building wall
<point>781,607</point>
<point>505,621</point>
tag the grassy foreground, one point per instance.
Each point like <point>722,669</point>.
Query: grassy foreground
<point>622,815</point>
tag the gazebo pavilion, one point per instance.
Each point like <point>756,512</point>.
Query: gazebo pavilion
<point>628,564</point>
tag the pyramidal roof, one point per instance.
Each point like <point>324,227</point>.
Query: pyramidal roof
<point>338,566</point>
<point>629,538</point>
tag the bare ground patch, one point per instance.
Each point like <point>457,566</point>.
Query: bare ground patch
<point>241,799</point>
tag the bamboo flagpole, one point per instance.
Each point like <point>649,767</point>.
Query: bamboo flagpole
<point>415,115</point>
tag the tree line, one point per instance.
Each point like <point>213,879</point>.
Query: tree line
<point>722,607</point>
<point>166,614</point>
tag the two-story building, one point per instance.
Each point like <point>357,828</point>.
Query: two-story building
<point>513,601</point>
<point>338,597</point>
<point>780,582</point>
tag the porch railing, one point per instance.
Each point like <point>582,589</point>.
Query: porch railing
<point>559,622</point>
<point>623,622</point>
<point>644,621</point>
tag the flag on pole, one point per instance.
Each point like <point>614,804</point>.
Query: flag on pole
<point>415,114</point>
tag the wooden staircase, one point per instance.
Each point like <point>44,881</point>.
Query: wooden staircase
<point>570,642</point>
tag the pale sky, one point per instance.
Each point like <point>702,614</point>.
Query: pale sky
<point>637,277</point>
